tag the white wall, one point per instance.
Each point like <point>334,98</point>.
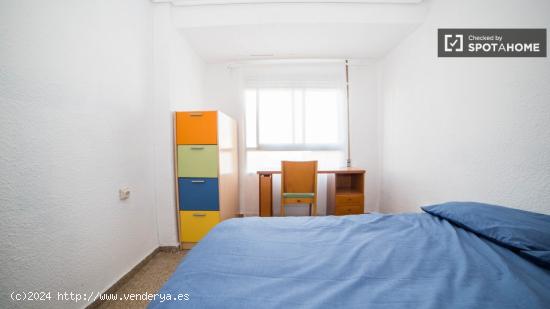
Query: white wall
<point>178,85</point>
<point>222,91</point>
<point>365,131</point>
<point>467,129</point>
<point>75,98</point>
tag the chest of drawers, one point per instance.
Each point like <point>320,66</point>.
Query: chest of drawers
<point>206,170</point>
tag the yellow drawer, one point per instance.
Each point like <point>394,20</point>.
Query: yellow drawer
<point>349,199</point>
<point>194,225</point>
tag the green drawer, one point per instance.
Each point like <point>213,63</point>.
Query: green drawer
<point>198,161</point>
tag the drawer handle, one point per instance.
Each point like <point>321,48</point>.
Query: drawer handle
<point>197,181</point>
<point>197,148</point>
<point>195,114</point>
<point>199,215</point>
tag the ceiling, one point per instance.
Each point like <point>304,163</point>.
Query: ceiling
<point>276,41</point>
<point>226,33</point>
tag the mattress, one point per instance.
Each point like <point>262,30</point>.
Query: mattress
<point>361,261</point>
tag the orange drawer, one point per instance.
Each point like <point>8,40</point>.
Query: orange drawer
<point>349,199</point>
<point>341,210</point>
<point>196,128</point>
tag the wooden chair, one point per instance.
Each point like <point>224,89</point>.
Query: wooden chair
<point>299,184</point>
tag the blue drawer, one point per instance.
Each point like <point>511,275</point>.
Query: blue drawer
<point>198,193</point>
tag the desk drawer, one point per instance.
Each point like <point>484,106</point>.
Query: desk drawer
<point>198,161</point>
<point>350,199</point>
<point>196,128</point>
<point>342,210</point>
<point>198,193</point>
<point>300,200</point>
<point>194,225</point>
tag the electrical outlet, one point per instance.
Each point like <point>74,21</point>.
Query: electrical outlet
<point>124,193</point>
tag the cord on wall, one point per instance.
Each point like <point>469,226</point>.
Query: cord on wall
<point>348,161</point>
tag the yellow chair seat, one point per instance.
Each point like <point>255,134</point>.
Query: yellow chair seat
<point>298,195</point>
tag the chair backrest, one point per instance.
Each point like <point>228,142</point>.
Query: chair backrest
<point>299,177</point>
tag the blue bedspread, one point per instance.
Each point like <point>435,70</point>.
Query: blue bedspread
<point>365,261</point>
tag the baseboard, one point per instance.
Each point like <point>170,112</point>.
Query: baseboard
<point>169,248</point>
<point>131,273</point>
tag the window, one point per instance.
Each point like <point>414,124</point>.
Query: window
<point>293,123</point>
<point>293,118</point>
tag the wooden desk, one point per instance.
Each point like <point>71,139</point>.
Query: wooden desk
<point>345,191</point>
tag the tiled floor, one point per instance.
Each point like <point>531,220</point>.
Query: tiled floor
<point>150,279</point>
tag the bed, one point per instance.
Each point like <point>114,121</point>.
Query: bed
<point>422,260</point>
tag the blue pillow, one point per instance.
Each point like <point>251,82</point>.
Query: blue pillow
<point>526,232</point>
